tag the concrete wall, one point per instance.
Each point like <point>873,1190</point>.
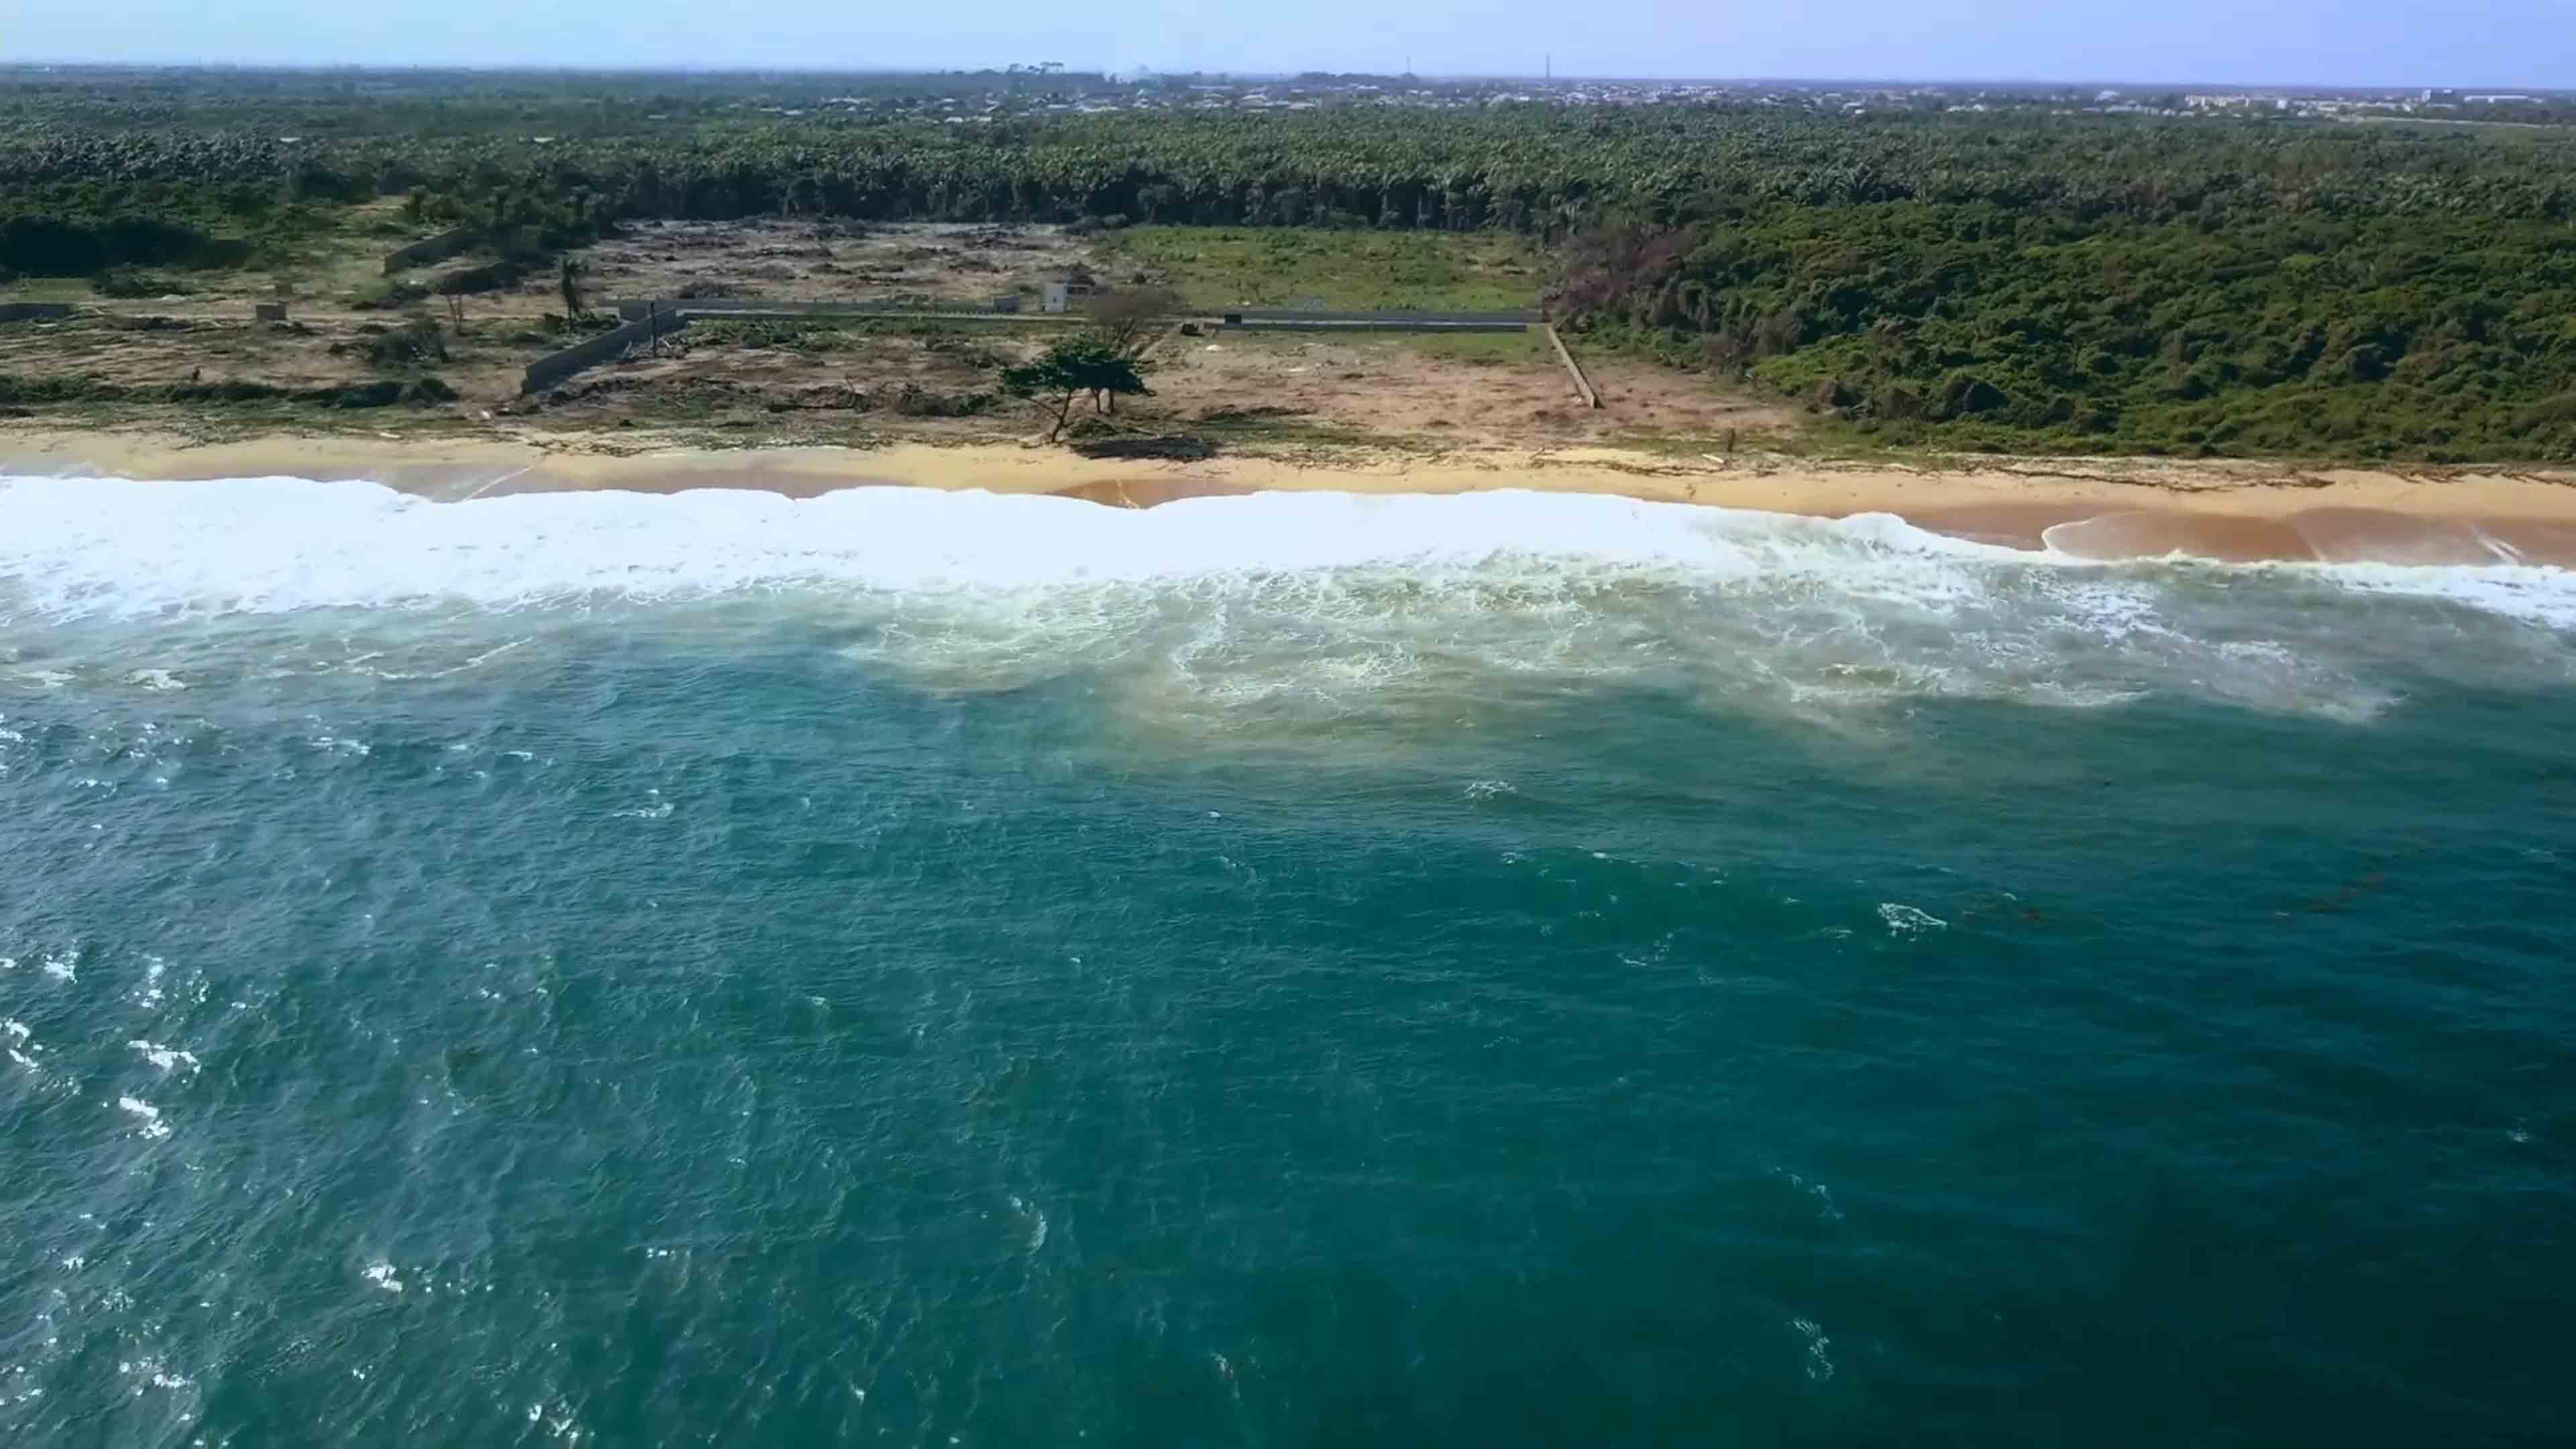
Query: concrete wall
<point>606,347</point>
<point>1247,317</point>
<point>1573,369</point>
<point>21,311</point>
<point>755,306</point>
<point>435,249</point>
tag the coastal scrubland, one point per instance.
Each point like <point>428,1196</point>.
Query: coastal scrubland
<point>1885,278</point>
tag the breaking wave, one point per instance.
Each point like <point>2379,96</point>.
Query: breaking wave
<point>1297,600</point>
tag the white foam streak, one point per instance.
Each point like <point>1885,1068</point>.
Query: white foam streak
<point>168,1059</point>
<point>1282,601</point>
<point>146,1114</point>
<point>274,544</point>
<point>269,544</point>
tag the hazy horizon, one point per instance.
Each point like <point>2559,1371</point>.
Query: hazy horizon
<point>2027,82</point>
<point>2376,44</point>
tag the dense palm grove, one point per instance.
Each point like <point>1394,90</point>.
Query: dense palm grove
<point>2435,336</point>
<point>2019,281</point>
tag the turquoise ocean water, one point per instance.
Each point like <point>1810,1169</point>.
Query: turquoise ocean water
<point>1292,970</point>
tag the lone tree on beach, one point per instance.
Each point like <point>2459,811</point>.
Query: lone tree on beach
<point>1130,325</point>
<point>1069,370</point>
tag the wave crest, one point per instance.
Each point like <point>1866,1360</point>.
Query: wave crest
<point>1313,601</point>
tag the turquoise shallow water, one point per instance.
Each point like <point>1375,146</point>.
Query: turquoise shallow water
<point>1273,972</point>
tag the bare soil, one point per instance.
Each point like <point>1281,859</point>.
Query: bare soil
<point>942,385</point>
<point>1401,385</point>
<point>1238,390</point>
<point>137,349</point>
<point>814,261</point>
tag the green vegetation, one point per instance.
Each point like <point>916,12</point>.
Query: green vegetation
<point>969,345</point>
<point>2428,337</point>
<point>55,389</point>
<point>1344,270</point>
<point>2018,280</point>
<point>132,282</point>
<point>1072,368</point>
<point>799,334</point>
<point>416,343</point>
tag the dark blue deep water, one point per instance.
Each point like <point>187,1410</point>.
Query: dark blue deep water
<point>723,971</point>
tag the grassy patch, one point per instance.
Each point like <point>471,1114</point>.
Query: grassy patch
<point>47,289</point>
<point>1347,270</point>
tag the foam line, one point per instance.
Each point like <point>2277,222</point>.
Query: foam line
<point>126,548</point>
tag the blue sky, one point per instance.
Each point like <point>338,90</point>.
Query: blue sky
<point>2360,42</point>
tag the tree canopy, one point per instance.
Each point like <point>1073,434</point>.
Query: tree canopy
<point>2023,279</point>
<point>1086,365</point>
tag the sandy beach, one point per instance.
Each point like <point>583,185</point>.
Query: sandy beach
<point>2095,508</point>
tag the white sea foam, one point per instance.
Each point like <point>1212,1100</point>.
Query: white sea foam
<point>268,544</point>
<point>145,1113</point>
<point>166,1058</point>
<point>1305,603</point>
<point>154,1373</point>
<point>1905,920</point>
<point>1819,1366</point>
<point>272,544</point>
<point>1037,1222</point>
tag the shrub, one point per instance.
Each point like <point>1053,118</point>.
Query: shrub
<point>130,283</point>
<point>414,343</point>
<point>916,401</point>
<point>386,295</point>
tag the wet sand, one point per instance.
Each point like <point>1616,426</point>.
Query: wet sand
<point>2089,508</point>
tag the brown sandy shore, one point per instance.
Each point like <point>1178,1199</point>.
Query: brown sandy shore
<point>2088,507</point>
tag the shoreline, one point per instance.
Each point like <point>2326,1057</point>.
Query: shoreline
<point>2092,508</point>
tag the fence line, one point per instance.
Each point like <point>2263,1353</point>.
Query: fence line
<point>1247,317</point>
<point>1244,321</point>
<point>1400,317</point>
<point>648,321</point>
<point>755,306</point>
<point>606,347</point>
